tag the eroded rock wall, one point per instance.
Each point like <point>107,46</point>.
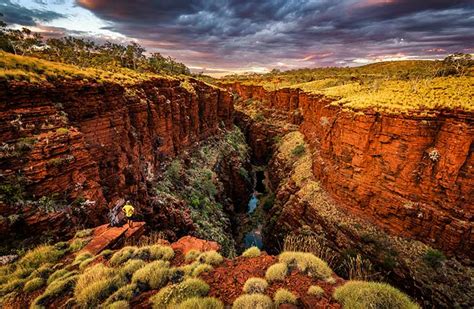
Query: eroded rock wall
<point>89,144</point>
<point>411,175</point>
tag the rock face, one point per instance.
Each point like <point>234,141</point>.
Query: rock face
<point>411,175</point>
<point>78,147</point>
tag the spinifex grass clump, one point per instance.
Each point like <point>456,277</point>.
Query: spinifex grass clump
<point>283,296</point>
<point>251,252</point>
<point>152,276</point>
<point>276,272</point>
<point>255,285</point>
<point>175,294</point>
<point>306,263</point>
<point>361,295</point>
<point>247,301</point>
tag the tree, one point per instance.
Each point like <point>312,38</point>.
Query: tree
<point>459,62</point>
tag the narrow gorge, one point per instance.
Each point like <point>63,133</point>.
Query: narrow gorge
<point>243,166</point>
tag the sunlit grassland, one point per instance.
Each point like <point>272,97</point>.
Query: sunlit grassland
<point>391,87</point>
<point>23,68</point>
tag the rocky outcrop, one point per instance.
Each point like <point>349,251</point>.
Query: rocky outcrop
<point>410,174</point>
<point>70,150</point>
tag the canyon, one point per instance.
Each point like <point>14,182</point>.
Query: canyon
<point>390,186</point>
<point>79,147</point>
<point>411,175</point>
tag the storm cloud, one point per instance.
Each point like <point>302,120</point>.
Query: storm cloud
<point>262,34</point>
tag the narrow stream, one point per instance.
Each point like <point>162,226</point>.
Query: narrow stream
<point>254,236</point>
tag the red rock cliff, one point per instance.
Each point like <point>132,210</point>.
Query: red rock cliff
<point>411,175</point>
<point>81,146</point>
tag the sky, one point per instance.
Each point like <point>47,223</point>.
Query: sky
<point>236,36</point>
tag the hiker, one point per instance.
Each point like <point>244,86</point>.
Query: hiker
<point>129,211</point>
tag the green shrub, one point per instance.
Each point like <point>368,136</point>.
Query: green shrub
<point>62,245</point>
<point>201,303</point>
<point>82,257</point>
<point>175,294</point>
<point>306,263</point>
<point>247,301</point>
<point>433,257</point>
<point>58,274</point>
<point>188,269</point>
<point>361,295</point>
<point>40,255</point>
<point>130,267</point>
<point>94,285</point>
<point>33,285</point>
<point>84,233</point>
<point>251,252</point>
<point>122,255</point>
<point>106,253</point>
<point>54,290</point>
<point>126,292</point>
<point>210,257</point>
<point>283,296</point>
<point>255,285</point>
<point>77,244</point>
<point>192,255</point>
<point>201,268</point>
<point>142,253</point>
<point>12,285</point>
<point>298,150</point>
<point>85,263</point>
<point>158,252</point>
<point>43,272</point>
<point>121,304</point>
<point>276,272</point>
<point>315,290</point>
<point>152,276</point>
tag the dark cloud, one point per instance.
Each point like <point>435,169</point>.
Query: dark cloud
<point>287,33</point>
<point>16,14</point>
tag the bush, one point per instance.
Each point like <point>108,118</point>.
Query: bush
<point>158,252</point>
<point>58,274</point>
<point>152,276</point>
<point>251,252</point>
<point>126,292</point>
<point>247,301</point>
<point>12,285</point>
<point>43,272</point>
<point>121,304</point>
<point>361,295</point>
<point>94,285</point>
<point>192,255</point>
<point>201,268</point>
<point>82,257</point>
<point>130,267</point>
<point>210,257</point>
<point>315,290</point>
<point>201,303</point>
<point>54,290</point>
<point>106,253</point>
<point>276,272</point>
<point>283,296</point>
<point>255,285</point>
<point>122,255</point>
<point>178,293</point>
<point>84,233</point>
<point>298,150</point>
<point>40,255</point>
<point>33,285</point>
<point>433,257</point>
<point>78,244</point>
<point>85,263</point>
<point>306,263</point>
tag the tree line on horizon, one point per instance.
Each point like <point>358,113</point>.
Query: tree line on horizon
<point>87,53</point>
